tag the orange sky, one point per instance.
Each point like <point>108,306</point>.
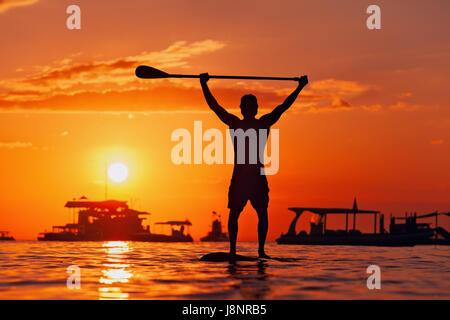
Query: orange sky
<point>373,122</point>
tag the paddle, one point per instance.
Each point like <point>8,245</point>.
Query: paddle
<point>146,72</point>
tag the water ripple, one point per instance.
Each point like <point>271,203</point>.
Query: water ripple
<point>133,270</point>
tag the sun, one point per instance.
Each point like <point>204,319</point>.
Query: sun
<point>118,172</point>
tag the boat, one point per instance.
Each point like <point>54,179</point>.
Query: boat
<point>110,220</point>
<point>177,233</point>
<point>216,234</point>
<point>320,235</point>
<point>4,236</point>
<point>410,225</point>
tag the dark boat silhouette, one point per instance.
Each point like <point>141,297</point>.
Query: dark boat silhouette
<point>410,225</point>
<point>408,234</point>
<point>4,236</point>
<point>216,234</point>
<point>111,220</point>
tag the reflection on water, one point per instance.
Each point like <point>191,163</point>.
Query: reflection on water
<point>138,270</point>
<point>252,279</point>
<point>116,270</point>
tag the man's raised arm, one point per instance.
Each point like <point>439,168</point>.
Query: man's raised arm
<point>273,116</point>
<point>223,115</point>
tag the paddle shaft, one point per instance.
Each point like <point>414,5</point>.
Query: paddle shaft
<point>231,77</point>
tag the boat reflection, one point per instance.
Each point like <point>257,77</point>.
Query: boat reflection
<point>116,270</point>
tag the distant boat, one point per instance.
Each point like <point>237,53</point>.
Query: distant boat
<point>411,226</point>
<point>4,236</point>
<point>216,234</point>
<point>111,220</point>
<point>177,233</point>
<point>408,234</point>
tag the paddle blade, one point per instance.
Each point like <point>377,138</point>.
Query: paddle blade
<point>146,72</point>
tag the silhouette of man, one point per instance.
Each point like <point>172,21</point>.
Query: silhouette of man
<point>249,181</point>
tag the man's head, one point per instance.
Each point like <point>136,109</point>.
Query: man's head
<point>249,106</point>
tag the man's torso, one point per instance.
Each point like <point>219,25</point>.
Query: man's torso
<point>249,138</point>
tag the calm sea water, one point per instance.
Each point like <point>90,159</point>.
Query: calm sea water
<point>138,270</point>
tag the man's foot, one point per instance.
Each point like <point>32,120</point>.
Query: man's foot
<point>232,256</point>
<point>263,255</point>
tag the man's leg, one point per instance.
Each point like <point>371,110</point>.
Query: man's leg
<point>263,226</point>
<point>233,228</point>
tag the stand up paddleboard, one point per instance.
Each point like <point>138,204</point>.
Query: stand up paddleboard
<point>225,256</point>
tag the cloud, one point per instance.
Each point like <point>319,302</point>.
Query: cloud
<point>372,108</point>
<point>21,145</point>
<point>6,5</point>
<point>338,87</point>
<point>15,145</point>
<point>404,95</point>
<point>172,97</point>
<point>111,86</point>
<point>333,94</point>
<point>437,142</point>
<point>403,106</point>
<point>166,97</point>
<point>338,103</point>
<point>68,77</point>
